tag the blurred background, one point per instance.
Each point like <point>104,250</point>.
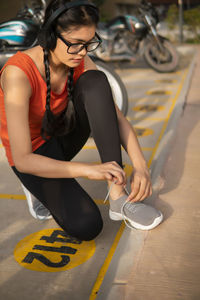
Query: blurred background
<point>169,11</point>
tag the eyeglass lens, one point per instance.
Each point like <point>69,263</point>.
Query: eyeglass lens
<point>78,47</point>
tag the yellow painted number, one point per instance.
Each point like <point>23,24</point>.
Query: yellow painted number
<point>52,250</point>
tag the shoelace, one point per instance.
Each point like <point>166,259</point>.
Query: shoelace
<point>130,207</point>
<point>109,190</point>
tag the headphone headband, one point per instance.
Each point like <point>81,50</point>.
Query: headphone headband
<point>64,8</point>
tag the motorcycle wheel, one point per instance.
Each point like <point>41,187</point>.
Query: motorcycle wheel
<point>118,88</point>
<point>161,62</point>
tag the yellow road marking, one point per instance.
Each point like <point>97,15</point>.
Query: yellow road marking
<point>108,259</point>
<point>148,108</point>
<point>100,202</point>
<point>52,250</point>
<point>166,81</point>
<point>142,131</point>
<point>106,264</point>
<point>147,118</point>
<point>89,147</point>
<point>158,92</point>
<point>12,196</point>
<point>23,197</point>
<point>168,116</point>
<point>155,99</point>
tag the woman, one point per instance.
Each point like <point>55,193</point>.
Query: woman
<point>51,97</point>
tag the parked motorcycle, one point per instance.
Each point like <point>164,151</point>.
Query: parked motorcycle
<point>128,37</point>
<point>21,33</point>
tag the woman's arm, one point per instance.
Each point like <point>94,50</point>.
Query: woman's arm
<point>17,92</point>
<point>140,180</point>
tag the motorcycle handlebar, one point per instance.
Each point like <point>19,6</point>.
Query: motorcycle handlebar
<point>149,8</point>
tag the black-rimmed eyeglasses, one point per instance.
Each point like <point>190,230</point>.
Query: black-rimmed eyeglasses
<point>75,48</point>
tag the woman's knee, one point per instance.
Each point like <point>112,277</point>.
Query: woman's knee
<point>91,80</point>
<point>85,228</point>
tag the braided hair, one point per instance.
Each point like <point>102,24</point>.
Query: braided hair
<point>64,122</point>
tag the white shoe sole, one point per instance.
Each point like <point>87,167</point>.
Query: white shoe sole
<point>119,217</point>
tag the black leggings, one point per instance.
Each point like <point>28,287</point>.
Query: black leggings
<point>70,205</point>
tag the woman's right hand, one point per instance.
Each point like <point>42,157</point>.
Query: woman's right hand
<point>110,171</point>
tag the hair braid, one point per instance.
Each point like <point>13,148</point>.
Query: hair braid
<point>70,112</point>
<point>64,122</point>
<point>70,86</point>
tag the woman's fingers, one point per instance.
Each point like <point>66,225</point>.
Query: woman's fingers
<point>135,188</point>
<point>107,171</point>
<point>119,176</point>
<point>141,188</point>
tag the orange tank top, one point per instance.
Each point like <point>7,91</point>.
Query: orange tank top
<point>37,101</point>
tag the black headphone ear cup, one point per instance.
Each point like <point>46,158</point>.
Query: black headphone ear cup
<point>51,40</point>
<point>47,39</point>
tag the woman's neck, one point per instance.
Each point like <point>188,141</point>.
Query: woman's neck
<point>56,65</point>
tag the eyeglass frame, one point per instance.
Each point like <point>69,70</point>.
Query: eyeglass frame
<point>68,44</point>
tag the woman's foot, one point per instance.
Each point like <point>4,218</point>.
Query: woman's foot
<point>36,208</point>
<point>136,215</point>
<point>116,191</point>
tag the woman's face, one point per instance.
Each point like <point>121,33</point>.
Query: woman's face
<point>81,35</point>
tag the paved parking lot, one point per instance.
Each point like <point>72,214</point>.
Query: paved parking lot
<point>37,260</point>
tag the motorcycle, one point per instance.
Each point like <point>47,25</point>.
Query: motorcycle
<point>20,33</point>
<point>129,37</point>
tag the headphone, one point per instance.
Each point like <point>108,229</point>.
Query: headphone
<point>47,37</point>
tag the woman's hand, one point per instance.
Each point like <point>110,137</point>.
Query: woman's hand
<point>140,184</point>
<point>107,171</point>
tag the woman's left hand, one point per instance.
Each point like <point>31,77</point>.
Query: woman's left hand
<point>141,186</point>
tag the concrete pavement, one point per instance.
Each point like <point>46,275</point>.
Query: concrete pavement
<point>38,261</point>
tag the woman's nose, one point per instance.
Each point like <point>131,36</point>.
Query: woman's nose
<point>83,51</point>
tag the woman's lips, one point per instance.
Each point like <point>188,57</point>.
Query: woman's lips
<point>76,59</point>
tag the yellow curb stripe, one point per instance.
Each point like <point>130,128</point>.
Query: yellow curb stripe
<point>106,264</point>
<point>168,116</point>
<point>108,259</point>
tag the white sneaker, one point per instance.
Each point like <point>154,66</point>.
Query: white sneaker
<point>36,208</point>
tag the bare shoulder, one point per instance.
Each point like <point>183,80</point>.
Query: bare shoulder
<point>13,78</point>
<point>89,64</point>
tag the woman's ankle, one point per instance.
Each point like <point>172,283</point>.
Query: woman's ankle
<point>116,190</point>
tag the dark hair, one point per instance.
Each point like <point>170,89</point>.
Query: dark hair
<point>60,124</point>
